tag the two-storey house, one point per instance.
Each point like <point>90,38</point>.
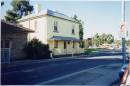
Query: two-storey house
<point>56,29</point>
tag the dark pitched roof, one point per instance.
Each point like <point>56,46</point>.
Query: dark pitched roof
<point>60,15</point>
<point>7,27</point>
<point>64,38</point>
<point>49,13</point>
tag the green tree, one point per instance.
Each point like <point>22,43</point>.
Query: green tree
<point>86,43</point>
<point>11,16</point>
<point>80,31</point>
<point>128,43</point>
<point>103,38</point>
<point>81,34</point>
<point>110,39</point>
<point>20,8</point>
<point>96,40</point>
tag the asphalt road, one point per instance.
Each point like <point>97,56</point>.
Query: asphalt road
<point>39,71</point>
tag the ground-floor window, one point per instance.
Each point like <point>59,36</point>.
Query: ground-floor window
<point>65,45</point>
<point>73,44</point>
<point>56,44</point>
<point>5,44</point>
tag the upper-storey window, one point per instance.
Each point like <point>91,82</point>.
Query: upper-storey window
<point>55,26</point>
<point>73,32</point>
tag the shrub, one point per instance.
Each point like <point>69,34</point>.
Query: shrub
<point>36,49</point>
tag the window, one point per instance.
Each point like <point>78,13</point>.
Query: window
<point>73,44</point>
<point>35,25</point>
<point>5,44</point>
<point>2,44</point>
<point>56,44</point>
<point>65,45</point>
<point>55,26</point>
<point>73,32</point>
<point>68,42</point>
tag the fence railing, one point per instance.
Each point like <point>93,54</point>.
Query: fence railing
<point>5,55</point>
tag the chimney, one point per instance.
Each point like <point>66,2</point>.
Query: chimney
<point>37,8</point>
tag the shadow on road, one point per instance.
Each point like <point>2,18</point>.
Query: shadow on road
<point>115,83</point>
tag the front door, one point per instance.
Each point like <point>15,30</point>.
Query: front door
<point>5,51</point>
<point>65,47</point>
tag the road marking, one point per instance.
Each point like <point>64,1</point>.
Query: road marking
<point>106,57</point>
<point>102,57</point>
<point>68,75</point>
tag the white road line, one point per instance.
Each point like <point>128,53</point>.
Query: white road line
<point>102,57</point>
<point>106,57</point>
<point>68,75</point>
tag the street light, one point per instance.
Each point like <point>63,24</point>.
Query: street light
<point>122,29</point>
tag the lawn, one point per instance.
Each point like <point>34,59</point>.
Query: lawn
<point>89,50</point>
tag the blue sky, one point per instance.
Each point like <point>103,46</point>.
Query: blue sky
<point>98,16</point>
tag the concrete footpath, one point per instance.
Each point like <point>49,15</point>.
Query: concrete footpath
<point>100,75</point>
<point>128,81</point>
<point>128,78</point>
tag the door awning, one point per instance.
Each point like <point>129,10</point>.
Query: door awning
<point>64,38</point>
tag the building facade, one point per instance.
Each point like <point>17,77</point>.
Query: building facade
<point>56,29</point>
<point>13,40</point>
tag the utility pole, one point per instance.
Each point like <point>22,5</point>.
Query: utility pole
<point>122,29</point>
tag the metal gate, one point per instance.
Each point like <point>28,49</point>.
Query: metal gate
<point>5,51</point>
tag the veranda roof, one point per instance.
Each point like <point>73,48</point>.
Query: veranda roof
<point>64,38</point>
